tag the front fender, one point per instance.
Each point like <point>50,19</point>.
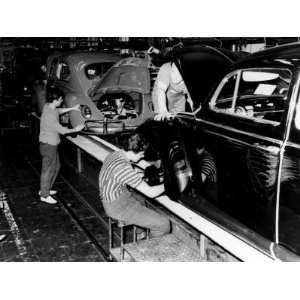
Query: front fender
<point>76,117</point>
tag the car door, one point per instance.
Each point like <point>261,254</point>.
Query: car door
<point>289,204</point>
<point>244,126</point>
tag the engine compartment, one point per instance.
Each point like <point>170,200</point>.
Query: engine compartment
<point>120,106</point>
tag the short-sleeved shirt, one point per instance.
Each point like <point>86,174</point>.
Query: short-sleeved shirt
<point>115,175</point>
<point>170,81</point>
<point>50,127</point>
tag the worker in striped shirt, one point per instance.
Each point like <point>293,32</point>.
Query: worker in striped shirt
<point>121,203</point>
<point>205,179</point>
<point>207,165</point>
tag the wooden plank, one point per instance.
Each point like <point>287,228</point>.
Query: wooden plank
<point>162,249</point>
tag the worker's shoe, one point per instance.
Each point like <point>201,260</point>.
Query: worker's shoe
<point>48,200</point>
<point>2,237</point>
<point>51,192</point>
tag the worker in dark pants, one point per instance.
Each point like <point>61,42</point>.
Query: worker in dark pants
<point>50,129</point>
<point>119,202</point>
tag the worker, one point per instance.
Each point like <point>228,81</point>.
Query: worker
<point>170,94</point>
<point>50,129</point>
<point>119,201</point>
<point>205,173</point>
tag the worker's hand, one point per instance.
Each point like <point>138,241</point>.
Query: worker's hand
<point>190,102</point>
<point>163,116</point>
<point>76,107</point>
<point>135,157</point>
<point>79,127</point>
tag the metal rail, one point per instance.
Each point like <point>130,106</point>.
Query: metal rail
<point>232,243</point>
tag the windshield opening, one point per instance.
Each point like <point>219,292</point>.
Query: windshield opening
<point>97,70</point>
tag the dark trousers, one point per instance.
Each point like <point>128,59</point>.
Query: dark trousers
<point>131,209</point>
<point>50,167</point>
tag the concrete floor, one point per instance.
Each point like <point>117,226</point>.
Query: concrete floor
<point>37,231</point>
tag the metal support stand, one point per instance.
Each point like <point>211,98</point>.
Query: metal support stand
<point>79,161</point>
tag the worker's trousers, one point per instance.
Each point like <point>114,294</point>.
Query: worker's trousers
<point>50,167</point>
<point>131,209</point>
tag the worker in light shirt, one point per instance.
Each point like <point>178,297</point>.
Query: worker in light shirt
<point>50,130</point>
<point>170,95</point>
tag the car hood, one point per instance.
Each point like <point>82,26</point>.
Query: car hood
<point>201,67</point>
<point>127,74</point>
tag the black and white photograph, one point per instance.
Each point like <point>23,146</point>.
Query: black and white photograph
<point>133,148</point>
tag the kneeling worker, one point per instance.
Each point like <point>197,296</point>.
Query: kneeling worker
<point>117,173</point>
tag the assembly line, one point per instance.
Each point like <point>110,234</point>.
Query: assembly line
<point>190,151</point>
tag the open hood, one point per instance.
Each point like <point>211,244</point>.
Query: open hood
<point>128,74</point>
<point>201,67</point>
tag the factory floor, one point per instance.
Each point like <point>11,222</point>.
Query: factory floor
<point>37,231</point>
<point>76,228</point>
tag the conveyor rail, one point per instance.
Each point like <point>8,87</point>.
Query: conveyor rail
<point>99,148</point>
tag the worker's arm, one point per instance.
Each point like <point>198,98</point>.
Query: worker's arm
<point>161,104</point>
<point>64,130</point>
<point>150,191</point>
<point>65,110</point>
<point>190,101</point>
<point>132,178</point>
<point>159,97</point>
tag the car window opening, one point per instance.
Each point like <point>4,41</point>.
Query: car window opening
<point>257,94</point>
<point>96,71</point>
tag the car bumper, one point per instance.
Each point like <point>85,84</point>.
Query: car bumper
<point>107,127</point>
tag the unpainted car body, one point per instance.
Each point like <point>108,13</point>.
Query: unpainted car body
<point>249,123</point>
<point>117,100</point>
<point>123,96</point>
<point>75,74</point>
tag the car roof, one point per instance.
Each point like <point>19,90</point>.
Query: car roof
<point>91,57</point>
<point>196,49</point>
<point>131,73</point>
<point>286,55</point>
<point>132,61</point>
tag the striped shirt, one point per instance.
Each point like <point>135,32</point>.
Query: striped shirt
<point>208,166</point>
<point>115,175</point>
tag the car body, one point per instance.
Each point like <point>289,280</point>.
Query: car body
<point>249,123</point>
<point>117,100</point>
<point>123,96</point>
<point>75,74</point>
